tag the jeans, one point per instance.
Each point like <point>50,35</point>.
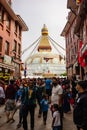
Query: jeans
<point>56,128</point>
<point>25,114</point>
<point>27,109</point>
<point>45,116</point>
<point>32,112</point>
<point>40,108</point>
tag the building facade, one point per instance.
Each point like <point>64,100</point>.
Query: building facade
<point>11,27</point>
<point>75,33</point>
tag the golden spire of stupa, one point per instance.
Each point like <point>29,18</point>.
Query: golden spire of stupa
<point>44,45</point>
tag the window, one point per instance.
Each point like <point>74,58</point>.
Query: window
<point>75,49</point>
<point>0,44</point>
<point>7,48</point>
<point>69,37</point>
<point>19,49</point>
<point>15,46</point>
<point>8,22</point>
<point>1,14</point>
<point>15,27</point>
<point>20,30</point>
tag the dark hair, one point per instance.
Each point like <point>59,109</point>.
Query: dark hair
<point>56,106</point>
<point>55,78</point>
<point>44,96</point>
<point>83,84</point>
<point>12,81</point>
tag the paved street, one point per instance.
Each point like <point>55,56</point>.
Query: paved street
<point>67,122</point>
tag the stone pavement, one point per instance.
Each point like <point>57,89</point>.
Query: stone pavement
<point>67,122</point>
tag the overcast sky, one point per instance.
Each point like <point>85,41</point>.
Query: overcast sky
<point>35,13</point>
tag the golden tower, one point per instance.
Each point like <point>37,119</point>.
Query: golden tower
<point>44,44</point>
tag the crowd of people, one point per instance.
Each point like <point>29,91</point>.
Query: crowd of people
<point>58,95</point>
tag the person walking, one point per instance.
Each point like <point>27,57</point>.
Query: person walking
<point>56,125</point>
<point>80,108</point>
<point>29,105</point>
<point>57,91</point>
<point>48,87</point>
<point>10,101</point>
<point>44,105</point>
<point>66,99</point>
<point>19,98</point>
<point>39,94</point>
<point>57,97</point>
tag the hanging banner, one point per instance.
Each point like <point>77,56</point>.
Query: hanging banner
<point>80,57</point>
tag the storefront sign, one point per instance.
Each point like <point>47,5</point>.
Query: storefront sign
<point>5,74</point>
<point>7,59</point>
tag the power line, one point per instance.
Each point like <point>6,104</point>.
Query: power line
<point>33,50</point>
<point>30,45</point>
<point>57,49</point>
<point>56,43</point>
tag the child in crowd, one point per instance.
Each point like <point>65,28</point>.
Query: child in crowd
<point>56,125</point>
<point>44,106</point>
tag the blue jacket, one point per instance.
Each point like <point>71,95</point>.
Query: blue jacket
<point>44,105</point>
<point>20,94</point>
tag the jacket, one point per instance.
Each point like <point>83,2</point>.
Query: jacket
<point>30,97</point>
<point>80,111</point>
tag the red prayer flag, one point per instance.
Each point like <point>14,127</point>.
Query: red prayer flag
<point>81,58</point>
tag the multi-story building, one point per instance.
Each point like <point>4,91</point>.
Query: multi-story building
<point>75,33</point>
<point>11,27</point>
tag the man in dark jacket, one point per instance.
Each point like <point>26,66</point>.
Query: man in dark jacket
<point>29,105</point>
<point>80,109</point>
